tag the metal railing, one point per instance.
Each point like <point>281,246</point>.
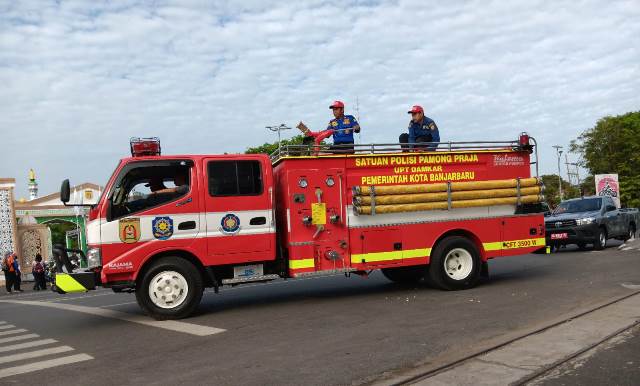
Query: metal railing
<point>404,148</point>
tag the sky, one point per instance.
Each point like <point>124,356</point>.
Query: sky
<point>79,78</point>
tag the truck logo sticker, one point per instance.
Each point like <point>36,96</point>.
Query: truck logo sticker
<point>129,230</point>
<point>162,227</point>
<point>230,223</point>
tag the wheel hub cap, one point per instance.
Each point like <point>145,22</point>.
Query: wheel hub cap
<point>168,289</point>
<point>458,264</point>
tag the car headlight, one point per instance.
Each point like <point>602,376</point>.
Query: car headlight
<point>94,258</point>
<point>585,221</point>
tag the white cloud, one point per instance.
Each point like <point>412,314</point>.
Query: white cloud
<point>80,78</point>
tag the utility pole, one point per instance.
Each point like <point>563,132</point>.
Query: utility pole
<point>559,153</point>
<point>573,172</point>
<point>279,128</point>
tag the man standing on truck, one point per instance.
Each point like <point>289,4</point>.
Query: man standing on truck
<point>343,127</point>
<point>421,129</point>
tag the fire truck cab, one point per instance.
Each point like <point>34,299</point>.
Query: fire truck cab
<point>168,226</point>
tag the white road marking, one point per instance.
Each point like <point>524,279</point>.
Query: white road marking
<point>35,343</point>
<point>6,326</point>
<point>35,354</point>
<point>117,304</point>
<point>9,371</point>
<point>80,297</point>
<point>11,332</point>
<point>172,325</point>
<point>19,337</point>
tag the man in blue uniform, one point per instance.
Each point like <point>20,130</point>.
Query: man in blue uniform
<point>421,129</point>
<point>343,127</point>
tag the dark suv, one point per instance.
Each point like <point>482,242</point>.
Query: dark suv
<point>588,220</point>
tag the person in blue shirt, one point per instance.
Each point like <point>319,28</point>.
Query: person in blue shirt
<point>343,127</point>
<point>422,129</point>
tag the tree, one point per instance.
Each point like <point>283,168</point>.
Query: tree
<point>551,193</point>
<point>613,146</point>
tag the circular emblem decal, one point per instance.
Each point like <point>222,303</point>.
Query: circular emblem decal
<point>162,227</point>
<point>230,223</point>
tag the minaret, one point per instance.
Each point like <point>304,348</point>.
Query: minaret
<point>33,185</point>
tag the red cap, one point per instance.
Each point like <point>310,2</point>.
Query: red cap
<point>416,109</point>
<point>336,104</point>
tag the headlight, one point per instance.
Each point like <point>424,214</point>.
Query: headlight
<point>585,221</point>
<point>94,258</point>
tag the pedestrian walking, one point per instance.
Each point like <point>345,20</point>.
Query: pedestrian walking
<point>38,274</point>
<point>8,268</point>
<point>18,271</point>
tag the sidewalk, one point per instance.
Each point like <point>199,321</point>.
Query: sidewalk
<point>615,362</point>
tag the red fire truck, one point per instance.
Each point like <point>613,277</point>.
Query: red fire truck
<point>168,226</point>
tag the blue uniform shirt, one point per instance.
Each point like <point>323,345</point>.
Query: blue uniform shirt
<point>424,129</point>
<point>338,125</point>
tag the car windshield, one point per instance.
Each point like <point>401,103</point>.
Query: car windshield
<point>577,206</point>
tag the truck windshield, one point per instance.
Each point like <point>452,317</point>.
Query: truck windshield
<point>577,206</point>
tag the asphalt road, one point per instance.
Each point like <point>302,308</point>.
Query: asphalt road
<point>324,331</point>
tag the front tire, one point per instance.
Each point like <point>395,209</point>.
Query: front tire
<point>170,289</point>
<point>601,241</point>
<point>455,264</point>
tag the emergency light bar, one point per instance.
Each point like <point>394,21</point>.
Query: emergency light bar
<point>144,146</point>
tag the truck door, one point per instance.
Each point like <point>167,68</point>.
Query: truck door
<point>239,211</point>
<point>613,218</point>
<point>152,205</point>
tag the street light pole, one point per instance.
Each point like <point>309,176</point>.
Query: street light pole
<point>559,153</point>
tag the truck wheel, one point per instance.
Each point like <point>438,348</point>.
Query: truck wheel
<point>631,233</point>
<point>455,264</point>
<point>404,275</point>
<point>601,241</point>
<point>170,289</point>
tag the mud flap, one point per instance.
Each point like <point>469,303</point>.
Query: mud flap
<point>66,283</point>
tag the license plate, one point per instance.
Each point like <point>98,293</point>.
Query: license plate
<point>559,236</point>
<point>247,271</point>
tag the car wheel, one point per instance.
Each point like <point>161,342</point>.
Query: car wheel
<point>170,289</point>
<point>601,241</point>
<point>631,233</point>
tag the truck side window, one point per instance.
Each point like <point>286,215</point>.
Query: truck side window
<point>234,178</point>
<point>146,186</point>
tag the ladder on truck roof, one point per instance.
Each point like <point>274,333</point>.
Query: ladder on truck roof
<point>325,150</point>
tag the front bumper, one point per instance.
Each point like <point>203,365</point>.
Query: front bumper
<point>579,234</point>
<point>66,283</point>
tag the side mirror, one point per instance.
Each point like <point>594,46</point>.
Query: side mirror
<point>65,192</point>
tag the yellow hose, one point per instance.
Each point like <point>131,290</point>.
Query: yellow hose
<point>380,209</point>
<point>442,187</point>
<point>455,196</point>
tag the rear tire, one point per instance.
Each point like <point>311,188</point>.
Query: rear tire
<point>404,275</point>
<point>171,288</point>
<point>601,241</point>
<point>631,233</point>
<point>455,264</point>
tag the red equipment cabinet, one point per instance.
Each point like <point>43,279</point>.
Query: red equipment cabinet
<point>168,226</point>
